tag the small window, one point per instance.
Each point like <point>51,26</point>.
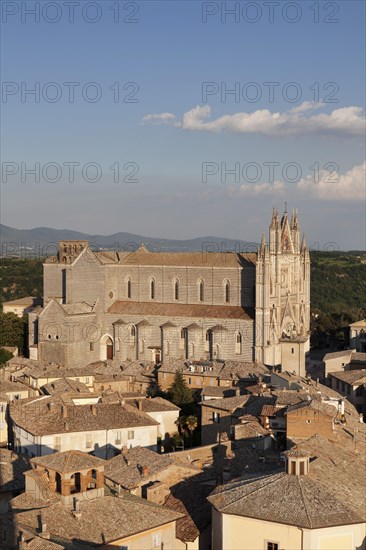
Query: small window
<point>118,439</point>
<point>156,540</point>
<point>216,417</point>
<point>87,380</point>
<point>176,290</point>
<point>201,291</point>
<point>131,434</point>
<point>272,546</point>
<point>189,380</point>
<point>111,295</point>
<point>123,547</point>
<point>152,289</point>
<point>91,346</point>
<point>227,293</point>
<point>129,288</point>
<point>49,336</point>
<point>292,350</point>
<point>133,330</point>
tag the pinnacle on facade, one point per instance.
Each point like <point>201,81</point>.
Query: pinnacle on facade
<point>274,221</point>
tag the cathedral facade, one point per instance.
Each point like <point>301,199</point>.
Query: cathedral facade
<point>202,306</point>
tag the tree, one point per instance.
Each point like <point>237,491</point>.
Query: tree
<point>12,330</point>
<point>191,423</point>
<point>179,391</point>
<point>181,424</point>
<point>4,356</point>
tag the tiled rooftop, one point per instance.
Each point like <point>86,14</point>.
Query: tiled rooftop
<point>326,497</point>
<point>36,417</point>
<point>68,461</point>
<point>102,521</point>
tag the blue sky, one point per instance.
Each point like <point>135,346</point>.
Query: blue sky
<point>170,131</point>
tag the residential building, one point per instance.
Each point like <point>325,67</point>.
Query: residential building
<point>64,503</point>
<point>352,384</point>
<point>9,391</point>
<point>146,473</point>
<point>347,359</point>
<point>317,502</point>
<point>22,306</point>
<point>44,425</point>
<point>357,336</point>
<point>200,375</point>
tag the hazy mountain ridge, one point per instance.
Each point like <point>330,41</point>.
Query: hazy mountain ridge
<point>17,241</point>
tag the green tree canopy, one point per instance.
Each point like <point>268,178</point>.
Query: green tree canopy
<point>179,391</point>
<point>12,330</point>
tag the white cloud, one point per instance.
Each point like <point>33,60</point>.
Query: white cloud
<point>161,118</point>
<point>255,189</point>
<point>345,120</point>
<point>334,186</point>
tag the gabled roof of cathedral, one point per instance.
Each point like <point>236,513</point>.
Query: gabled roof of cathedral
<point>180,310</point>
<point>143,256</point>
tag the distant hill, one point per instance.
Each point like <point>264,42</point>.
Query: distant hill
<point>14,241</point>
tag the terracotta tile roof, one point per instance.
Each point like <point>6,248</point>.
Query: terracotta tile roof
<point>229,404</point>
<point>36,417</point>
<point>143,256</point>
<point>336,354</point>
<point>317,406</point>
<point>190,498</point>
<point>68,461</point>
<point>12,468</point>
<point>353,377</point>
<point>39,543</point>
<point>63,385</point>
<point>102,521</point>
<point>144,309</point>
<point>154,404</point>
<point>304,502</point>
<point>129,474</point>
<point>27,301</point>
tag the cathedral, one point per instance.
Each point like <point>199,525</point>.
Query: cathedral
<point>197,306</point>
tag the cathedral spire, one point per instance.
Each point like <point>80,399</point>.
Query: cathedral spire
<point>303,244</point>
<point>274,221</point>
<point>284,217</point>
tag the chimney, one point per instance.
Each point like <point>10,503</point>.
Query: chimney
<point>124,450</point>
<point>93,410</point>
<point>361,418</point>
<point>144,471</point>
<point>76,508</point>
<point>45,534</point>
<point>51,406</point>
<point>237,392</point>
<point>64,411</point>
<point>226,474</point>
<point>128,462</point>
<point>140,404</point>
<point>341,406</point>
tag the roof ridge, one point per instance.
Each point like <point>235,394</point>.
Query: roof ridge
<point>279,476</point>
<point>303,499</point>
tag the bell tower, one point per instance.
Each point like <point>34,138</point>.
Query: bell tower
<point>283,296</point>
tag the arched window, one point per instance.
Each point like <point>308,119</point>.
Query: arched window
<point>133,330</point>
<point>129,288</point>
<point>176,289</point>
<point>152,289</point>
<point>227,291</point>
<point>201,290</point>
